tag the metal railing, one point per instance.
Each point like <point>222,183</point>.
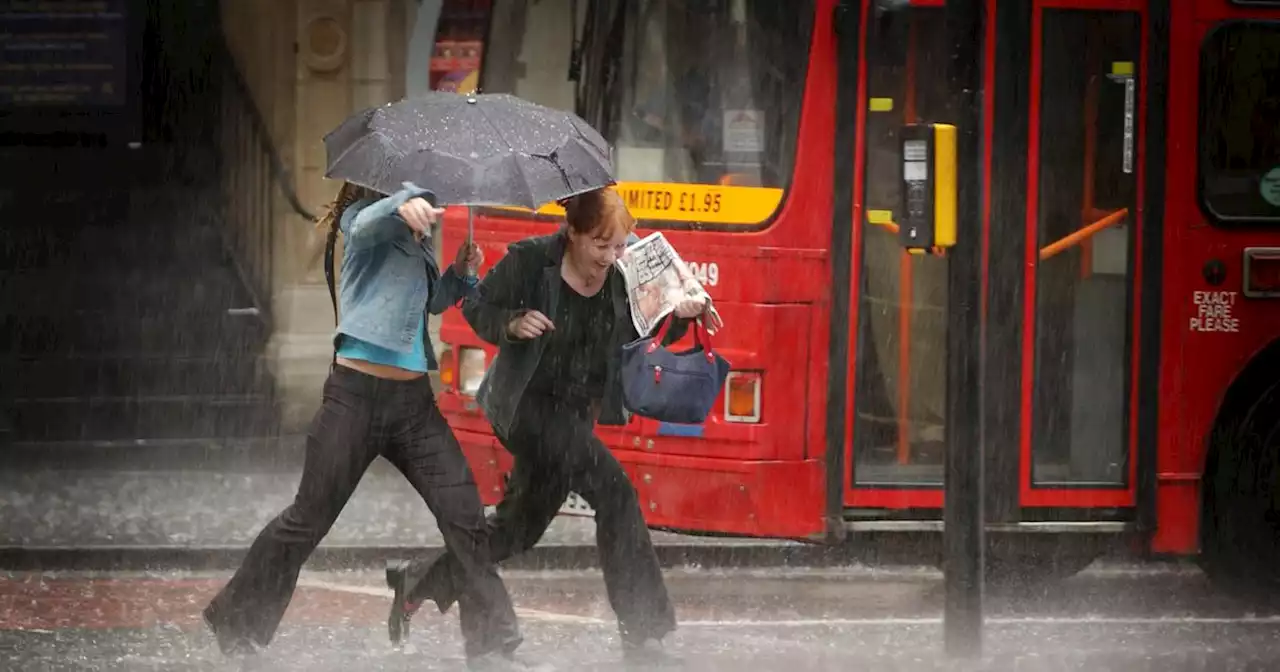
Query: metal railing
<point>250,171</point>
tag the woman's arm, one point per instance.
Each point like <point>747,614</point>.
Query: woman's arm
<point>497,301</point>
<point>450,289</point>
<point>378,222</point>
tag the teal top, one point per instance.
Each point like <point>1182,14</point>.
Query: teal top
<point>415,360</point>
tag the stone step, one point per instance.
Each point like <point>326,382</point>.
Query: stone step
<point>220,334</point>
<point>223,455</point>
<point>132,290</point>
<point>61,376</point>
<point>178,246</point>
<point>38,171</point>
<point>139,418</point>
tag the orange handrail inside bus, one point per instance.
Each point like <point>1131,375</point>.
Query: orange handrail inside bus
<point>1057,246</point>
<point>1080,236</point>
<point>888,225</point>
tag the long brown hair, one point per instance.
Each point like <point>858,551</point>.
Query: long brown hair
<point>348,194</point>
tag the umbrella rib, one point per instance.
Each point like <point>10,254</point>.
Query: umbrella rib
<point>358,144</point>
<point>519,167</point>
<point>492,125</point>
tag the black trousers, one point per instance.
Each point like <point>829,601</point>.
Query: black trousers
<point>556,451</point>
<point>361,418</point>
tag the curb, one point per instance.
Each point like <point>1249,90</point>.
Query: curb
<point>549,557</point>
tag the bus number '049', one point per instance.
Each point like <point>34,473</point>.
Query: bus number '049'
<point>707,273</point>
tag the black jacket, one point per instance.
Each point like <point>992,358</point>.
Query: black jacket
<point>528,278</point>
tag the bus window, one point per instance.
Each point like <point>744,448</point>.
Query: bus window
<point>900,398</point>
<point>1240,123</point>
<point>1083,242</point>
<point>706,91</point>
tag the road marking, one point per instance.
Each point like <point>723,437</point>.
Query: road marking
<point>529,614</point>
<point>1014,620</point>
<point>371,591</point>
<point>852,572</point>
<point>553,617</point>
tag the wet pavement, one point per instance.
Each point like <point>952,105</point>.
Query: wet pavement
<point>1110,618</point>
<point>49,507</point>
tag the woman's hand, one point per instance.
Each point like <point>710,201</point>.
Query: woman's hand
<point>530,326</point>
<point>420,216</point>
<point>712,320</point>
<point>691,308</point>
<point>469,258</point>
<point>695,308</point>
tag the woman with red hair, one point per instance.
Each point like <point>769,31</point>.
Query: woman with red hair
<point>556,306</point>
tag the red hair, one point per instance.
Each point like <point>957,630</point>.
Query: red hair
<point>600,214</point>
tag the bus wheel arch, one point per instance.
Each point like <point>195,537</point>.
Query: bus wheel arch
<point>1240,491</point>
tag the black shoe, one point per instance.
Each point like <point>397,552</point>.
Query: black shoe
<point>401,609</point>
<point>648,654</point>
<point>232,645</point>
<point>498,661</point>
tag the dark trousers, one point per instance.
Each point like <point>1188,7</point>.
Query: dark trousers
<point>361,418</point>
<point>556,451</point>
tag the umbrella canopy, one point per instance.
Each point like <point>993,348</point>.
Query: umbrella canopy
<point>478,149</point>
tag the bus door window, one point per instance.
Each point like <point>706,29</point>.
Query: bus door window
<point>900,399</point>
<point>1240,126</point>
<point>1083,242</point>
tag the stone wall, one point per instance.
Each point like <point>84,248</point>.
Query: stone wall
<point>310,64</point>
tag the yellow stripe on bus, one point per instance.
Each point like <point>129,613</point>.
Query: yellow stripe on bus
<point>706,203</point>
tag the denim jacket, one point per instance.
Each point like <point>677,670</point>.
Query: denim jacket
<point>389,277</point>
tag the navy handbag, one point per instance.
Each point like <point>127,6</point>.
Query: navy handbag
<point>677,387</point>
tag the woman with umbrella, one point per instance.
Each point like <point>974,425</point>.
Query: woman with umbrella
<point>378,401</point>
<point>556,307</point>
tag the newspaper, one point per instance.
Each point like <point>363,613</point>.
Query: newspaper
<point>657,281</point>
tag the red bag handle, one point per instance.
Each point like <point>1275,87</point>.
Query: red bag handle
<point>655,341</point>
<point>700,332</point>
<point>701,336</point>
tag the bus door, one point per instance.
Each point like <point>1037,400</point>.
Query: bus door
<point>1077,315</point>
<point>1066,155</point>
<point>896,433</point>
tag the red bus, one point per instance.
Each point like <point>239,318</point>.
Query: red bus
<point>1130,193</point>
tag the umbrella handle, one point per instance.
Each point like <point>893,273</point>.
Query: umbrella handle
<point>471,272</point>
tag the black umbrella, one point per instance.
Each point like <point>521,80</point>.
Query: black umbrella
<point>478,149</point>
